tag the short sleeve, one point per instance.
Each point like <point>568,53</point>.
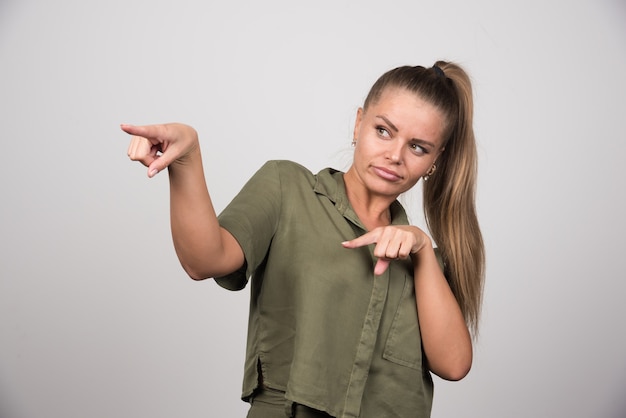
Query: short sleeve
<point>252,218</point>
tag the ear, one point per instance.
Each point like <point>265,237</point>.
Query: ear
<point>357,123</point>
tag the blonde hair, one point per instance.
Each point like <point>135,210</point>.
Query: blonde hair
<point>449,194</point>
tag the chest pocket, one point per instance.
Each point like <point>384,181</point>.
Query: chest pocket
<point>404,344</point>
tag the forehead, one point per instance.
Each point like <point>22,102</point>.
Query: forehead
<point>410,113</point>
<point>398,96</point>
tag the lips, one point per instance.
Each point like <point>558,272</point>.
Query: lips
<point>387,174</point>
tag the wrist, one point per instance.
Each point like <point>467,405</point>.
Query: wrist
<point>427,243</point>
<point>189,159</point>
<point>425,246</point>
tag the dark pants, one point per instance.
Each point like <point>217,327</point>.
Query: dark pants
<point>269,403</point>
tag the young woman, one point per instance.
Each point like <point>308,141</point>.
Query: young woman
<point>352,308</point>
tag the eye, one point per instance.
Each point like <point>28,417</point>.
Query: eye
<point>418,149</point>
<point>382,132</point>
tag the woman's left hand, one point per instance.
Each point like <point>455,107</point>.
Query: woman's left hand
<point>392,242</point>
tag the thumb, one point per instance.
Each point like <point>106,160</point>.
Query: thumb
<point>154,168</point>
<point>381,266</point>
<point>159,164</point>
<point>162,160</point>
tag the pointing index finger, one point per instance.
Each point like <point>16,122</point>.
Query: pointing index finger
<point>363,240</point>
<point>148,131</point>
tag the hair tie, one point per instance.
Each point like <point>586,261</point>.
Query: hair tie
<point>438,71</point>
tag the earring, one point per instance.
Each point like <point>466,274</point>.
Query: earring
<point>354,142</point>
<point>430,172</point>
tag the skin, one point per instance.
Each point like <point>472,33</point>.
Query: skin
<point>192,216</point>
<point>398,139</point>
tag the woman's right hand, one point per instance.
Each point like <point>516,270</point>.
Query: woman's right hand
<point>203,247</point>
<point>159,146</point>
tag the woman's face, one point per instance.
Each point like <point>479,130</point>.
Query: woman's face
<point>398,139</point>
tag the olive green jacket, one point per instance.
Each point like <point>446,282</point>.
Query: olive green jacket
<point>322,327</point>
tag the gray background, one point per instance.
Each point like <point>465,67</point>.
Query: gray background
<point>97,319</point>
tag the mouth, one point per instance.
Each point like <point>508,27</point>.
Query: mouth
<point>387,174</point>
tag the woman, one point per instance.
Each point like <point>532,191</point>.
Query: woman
<point>351,307</point>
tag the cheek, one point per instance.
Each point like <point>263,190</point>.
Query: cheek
<point>419,169</point>
<point>363,151</point>
<point>357,157</point>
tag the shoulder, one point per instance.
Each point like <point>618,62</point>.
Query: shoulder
<point>287,171</point>
<point>286,166</point>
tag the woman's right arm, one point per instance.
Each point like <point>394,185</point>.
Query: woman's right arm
<point>203,247</point>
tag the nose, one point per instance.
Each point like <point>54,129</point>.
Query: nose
<point>395,152</point>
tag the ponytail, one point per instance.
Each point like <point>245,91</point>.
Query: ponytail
<point>449,203</point>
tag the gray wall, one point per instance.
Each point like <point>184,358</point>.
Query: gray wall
<point>97,319</point>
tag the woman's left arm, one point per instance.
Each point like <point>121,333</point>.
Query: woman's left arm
<point>445,337</point>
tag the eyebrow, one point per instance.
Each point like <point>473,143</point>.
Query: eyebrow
<point>388,122</point>
<point>395,129</point>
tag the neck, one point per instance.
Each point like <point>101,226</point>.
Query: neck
<point>372,209</point>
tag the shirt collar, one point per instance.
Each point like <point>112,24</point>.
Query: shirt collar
<point>329,182</point>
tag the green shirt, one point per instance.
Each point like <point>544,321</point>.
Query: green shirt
<point>322,327</point>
